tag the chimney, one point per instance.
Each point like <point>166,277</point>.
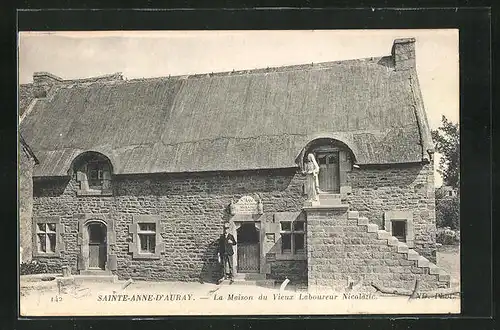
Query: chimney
<point>43,82</point>
<point>403,54</point>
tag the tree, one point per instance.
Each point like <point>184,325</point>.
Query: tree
<point>448,213</point>
<point>447,143</point>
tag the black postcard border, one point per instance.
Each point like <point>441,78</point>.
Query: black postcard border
<point>475,120</point>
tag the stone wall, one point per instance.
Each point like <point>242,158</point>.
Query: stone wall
<point>377,189</point>
<point>193,207</point>
<point>192,210</point>
<point>295,271</point>
<point>340,252</point>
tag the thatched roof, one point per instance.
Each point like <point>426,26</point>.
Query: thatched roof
<point>242,120</point>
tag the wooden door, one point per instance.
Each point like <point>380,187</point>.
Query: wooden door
<point>97,246</point>
<point>248,258</point>
<point>248,249</point>
<point>329,172</point>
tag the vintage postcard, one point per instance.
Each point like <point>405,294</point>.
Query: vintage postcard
<point>239,172</point>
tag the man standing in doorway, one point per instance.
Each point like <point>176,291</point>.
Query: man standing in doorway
<point>225,253</point>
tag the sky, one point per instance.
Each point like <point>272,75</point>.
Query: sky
<point>141,54</point>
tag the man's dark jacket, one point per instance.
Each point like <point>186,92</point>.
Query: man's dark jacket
<point>224,246</point>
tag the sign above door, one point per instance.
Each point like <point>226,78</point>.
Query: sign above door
<point>247,205</point>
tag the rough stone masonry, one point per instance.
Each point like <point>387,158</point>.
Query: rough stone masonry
<point>193,207</point>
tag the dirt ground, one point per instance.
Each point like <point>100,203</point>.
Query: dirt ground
<point>43,298</point>
<point>448,258</point>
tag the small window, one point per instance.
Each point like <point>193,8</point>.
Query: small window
<point>293,237</point>
<point>400,224</point>
<point>399,230</point>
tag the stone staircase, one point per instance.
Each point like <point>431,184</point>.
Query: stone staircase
<point>402,248</point>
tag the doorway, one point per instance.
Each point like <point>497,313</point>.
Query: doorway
<point>329,171</point>
<point>97,245</point>
<point>248,248</point>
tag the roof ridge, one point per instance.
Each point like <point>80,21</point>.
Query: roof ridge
<point>275,69</point>
<point>282,68</point>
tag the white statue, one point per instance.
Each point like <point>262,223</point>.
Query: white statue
<point>311,169</point>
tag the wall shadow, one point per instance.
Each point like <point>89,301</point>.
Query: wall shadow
<point>211,270</point>
<point>50,187</point>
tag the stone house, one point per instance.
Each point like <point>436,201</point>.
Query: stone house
<point>27,160</point>
<point>136,177</point>
<point>447,192</point>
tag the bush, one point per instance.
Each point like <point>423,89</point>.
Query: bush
<point>33,267</point>
<point>448,236</point>
<point>448,213</point>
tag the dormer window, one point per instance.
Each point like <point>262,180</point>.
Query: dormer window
<point>335,161</point>
<point>93,175</point>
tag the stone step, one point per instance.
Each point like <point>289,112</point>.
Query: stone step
<point>422,262</point>
<point>250,276</point>
<point>262,283</point>
<point>433,269</point>
<point>96,278</point>
<point>403,248</point>
<point>363,221</point>
<point>392,241</point>
<point>353,215</point>
<point>413,255</point>
<point>95,272</point>
<point>372,228</point>
<point>382,234</point>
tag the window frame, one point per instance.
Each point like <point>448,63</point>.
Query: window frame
<point>407,217</point>
<point>59,231</point>
<point>292,232</point>
<point>142,233</point>
<point>134,229</point>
